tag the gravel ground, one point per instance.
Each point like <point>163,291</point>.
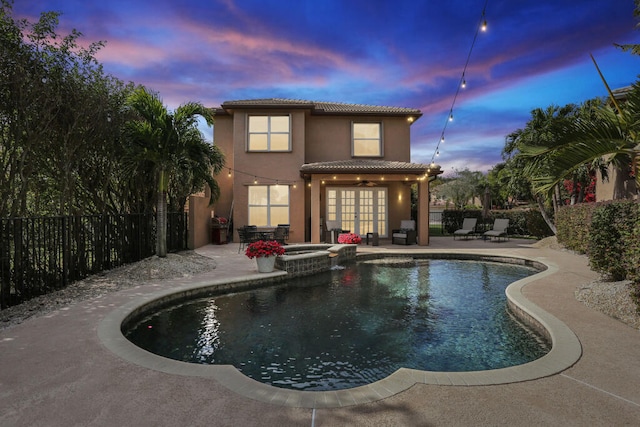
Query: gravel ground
<point>183,264</point>
<point>610,298</point>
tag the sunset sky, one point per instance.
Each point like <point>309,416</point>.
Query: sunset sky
<point>535,53</point>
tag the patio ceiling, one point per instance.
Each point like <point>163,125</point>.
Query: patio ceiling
<point>362,170</point>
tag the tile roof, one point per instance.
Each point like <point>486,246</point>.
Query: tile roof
<point>319,107</point>
<point>365,165</point>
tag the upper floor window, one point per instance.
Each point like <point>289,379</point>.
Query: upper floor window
<point>367,140</point>
<point>269,133</point>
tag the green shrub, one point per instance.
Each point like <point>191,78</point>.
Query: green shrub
<point>536,225</point>
<point>610,223</point>
<point>572,225</point>
<point>632,256</point>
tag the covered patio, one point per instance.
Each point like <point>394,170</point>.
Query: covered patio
<point>379,216</point>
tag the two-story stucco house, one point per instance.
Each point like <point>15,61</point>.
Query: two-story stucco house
<point>304,163</point>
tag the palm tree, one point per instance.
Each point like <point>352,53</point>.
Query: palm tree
<point>171,145</point>
<point>608,133</point>
<point>539,136</point>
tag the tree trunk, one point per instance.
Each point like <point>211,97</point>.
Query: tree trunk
<point>574,191</point>
<point>556,200</point>
<point>546,218</point>
<point>161,217</point>
<point>161,225</point>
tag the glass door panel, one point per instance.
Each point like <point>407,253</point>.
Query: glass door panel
<point>359,210</point>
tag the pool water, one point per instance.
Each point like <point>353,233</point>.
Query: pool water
<point>354,326</point>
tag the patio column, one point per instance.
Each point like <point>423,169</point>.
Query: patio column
<point>315,210</point>
<point>423,212</point>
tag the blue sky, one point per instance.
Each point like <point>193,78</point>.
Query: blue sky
<point>535,53</point>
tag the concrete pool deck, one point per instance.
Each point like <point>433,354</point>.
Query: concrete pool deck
<point>56,371</point>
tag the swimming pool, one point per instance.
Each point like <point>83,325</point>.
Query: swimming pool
<point>362,324</point>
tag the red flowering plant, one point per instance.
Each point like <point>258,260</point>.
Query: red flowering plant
<point>349,238</point>
<point>219,220</point>
<point>263,248</point>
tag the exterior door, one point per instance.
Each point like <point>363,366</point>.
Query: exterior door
<point>360,210</point>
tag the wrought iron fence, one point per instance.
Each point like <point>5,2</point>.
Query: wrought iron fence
<point>43,254</point>
<point>435,224</point>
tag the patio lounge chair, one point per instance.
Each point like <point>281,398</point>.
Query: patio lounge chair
<point>499,230</point>
<point>468,228</point>
<point>406,234</point>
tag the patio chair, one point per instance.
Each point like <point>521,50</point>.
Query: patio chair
<point>406,234</point>
<point>499,230</point>
<point>333,231</point>
<point>285,228</point>
<point>280,234</point>
<point>247,234</point>
<point>468,228</point>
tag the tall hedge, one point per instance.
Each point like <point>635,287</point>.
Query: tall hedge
<point>632,258</point>
<point>573,224</point>
<point>612,224</point>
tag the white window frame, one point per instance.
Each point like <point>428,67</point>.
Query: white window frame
<point>268,133</point>
<point>268,206</point>
<point>379,139</point>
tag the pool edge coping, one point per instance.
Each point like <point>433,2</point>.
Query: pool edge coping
<point>565,352</point>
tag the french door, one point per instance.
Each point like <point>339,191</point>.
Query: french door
<point>361,210</point>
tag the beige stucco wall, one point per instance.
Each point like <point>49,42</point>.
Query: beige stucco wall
<point>199,211</point>
<point>329,138</point>
<point>617,186</point>
<point>265,168</point>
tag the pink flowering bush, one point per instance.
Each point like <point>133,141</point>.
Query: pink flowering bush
<point>349,238</point>
<point>263,248</point>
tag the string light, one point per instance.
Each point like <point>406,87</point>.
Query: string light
<point>264,179</point>
<point>463,82</point>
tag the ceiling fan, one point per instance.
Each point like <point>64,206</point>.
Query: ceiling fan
<point>366,183</point>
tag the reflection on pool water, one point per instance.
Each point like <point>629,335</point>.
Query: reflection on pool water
<point>351,327</point>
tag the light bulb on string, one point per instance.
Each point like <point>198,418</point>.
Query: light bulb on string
<point>451,117</point>
<point>229,173</point>
<point>484,25</point>
<point>255,180</point>
<point>464,83</point>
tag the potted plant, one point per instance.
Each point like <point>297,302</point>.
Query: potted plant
<point>349,238</point>
<point>265,253</point>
